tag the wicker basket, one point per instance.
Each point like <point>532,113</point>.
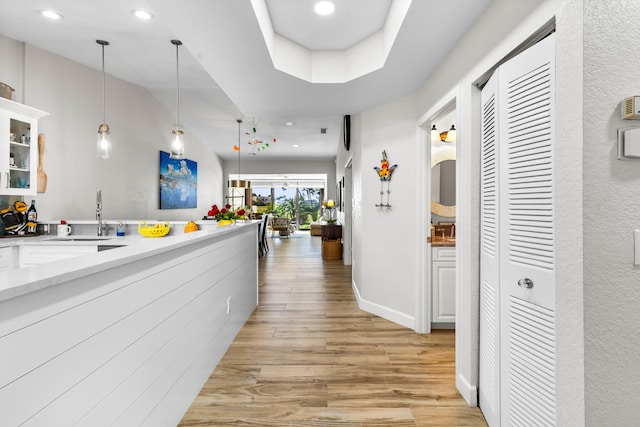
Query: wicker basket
<point>331,249</point>
<point>158,230</point>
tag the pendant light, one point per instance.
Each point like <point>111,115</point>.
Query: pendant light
<point>177,145</point>
<point>103,148</point>
<point>238,183</point>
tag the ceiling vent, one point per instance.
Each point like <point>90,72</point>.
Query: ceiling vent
<point>323,130</point>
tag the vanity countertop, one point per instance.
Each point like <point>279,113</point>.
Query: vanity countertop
<point>442,241</point>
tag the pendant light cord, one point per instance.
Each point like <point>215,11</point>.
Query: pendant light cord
<point>103,43</point>
<point>177,43</point>
<point>239,123</point>
<point>104,90</point>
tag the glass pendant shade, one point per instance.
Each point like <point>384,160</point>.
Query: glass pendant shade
<point>103,147</point>
<point>177,143</point>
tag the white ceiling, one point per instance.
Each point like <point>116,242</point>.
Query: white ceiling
<point>321,32</point>
<point>226,71</point>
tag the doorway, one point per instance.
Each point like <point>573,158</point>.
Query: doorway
<point>436,295</point>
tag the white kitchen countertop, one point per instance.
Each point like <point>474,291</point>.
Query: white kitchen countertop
<point>21,281</point>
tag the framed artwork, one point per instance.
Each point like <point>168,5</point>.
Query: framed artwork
<point>178,183</point>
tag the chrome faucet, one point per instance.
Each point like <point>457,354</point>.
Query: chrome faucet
<point>102,229</point>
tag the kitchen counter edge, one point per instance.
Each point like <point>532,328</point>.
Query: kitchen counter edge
<point>17,282</point>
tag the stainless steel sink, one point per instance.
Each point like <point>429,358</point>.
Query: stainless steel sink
<point>77,239</point>
<point>107,247</point>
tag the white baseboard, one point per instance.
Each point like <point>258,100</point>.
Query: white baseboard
<point>468,391</point>
<point>384,312</point>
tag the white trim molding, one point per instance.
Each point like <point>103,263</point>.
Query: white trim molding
<point>382,311</point>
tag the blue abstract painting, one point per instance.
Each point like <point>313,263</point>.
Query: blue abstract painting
<point>178,183</point>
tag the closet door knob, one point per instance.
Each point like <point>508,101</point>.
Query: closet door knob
<point>525,283</point>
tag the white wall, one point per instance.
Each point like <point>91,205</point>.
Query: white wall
<point>140,128</point>
<point>385,262</point>
<point>11,66</point>
<point>357,230</point>
<point>611,203</point>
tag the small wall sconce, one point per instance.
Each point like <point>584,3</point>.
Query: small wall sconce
<point>446,136</point>
<point>435,135</point>
<point>449,136</point>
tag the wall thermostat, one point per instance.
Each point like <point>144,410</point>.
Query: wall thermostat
<point>631,108</point>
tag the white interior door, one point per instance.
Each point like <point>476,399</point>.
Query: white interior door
<point>527,258</point>
<point>517,364</point>
<point>489,389</point>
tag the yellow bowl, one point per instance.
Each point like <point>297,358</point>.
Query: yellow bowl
<point>157,230</point>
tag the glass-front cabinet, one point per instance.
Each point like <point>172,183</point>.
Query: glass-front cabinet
<point>18,148</point>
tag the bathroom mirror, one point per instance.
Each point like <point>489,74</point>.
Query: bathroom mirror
<point>443,181</point>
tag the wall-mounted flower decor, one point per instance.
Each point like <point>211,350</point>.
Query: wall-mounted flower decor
<point>384,173</point>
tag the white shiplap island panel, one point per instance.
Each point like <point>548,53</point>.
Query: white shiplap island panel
<point>131,344</point>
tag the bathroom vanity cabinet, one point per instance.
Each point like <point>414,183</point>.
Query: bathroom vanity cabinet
<point>443,285</point>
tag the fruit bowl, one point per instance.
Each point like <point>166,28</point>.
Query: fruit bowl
<point>157,230</point>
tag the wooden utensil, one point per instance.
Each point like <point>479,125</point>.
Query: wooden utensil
<point>42,176</point>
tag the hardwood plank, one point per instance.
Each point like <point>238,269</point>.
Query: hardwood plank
<point>308,356</point>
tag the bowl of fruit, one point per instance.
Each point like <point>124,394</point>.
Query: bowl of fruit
<point>156,230</point>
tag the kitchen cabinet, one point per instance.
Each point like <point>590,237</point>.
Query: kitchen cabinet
<point>443,284</point>
<point>36,255</point>
<point>18,148</point>
<point>6,259</point>
<point>123,338</point>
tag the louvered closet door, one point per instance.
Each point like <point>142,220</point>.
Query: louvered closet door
<point>527,246</point>
<point>489,388</point>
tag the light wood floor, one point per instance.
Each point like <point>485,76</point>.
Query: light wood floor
<point>309,357</point>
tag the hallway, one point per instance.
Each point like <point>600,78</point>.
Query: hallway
<point>309,357</point>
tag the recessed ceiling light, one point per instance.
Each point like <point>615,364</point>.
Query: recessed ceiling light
<point>142,14</point>
<point>50,14</point>
<point>295,146</point>
<point>289,123</point>
<point>324,8</point>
